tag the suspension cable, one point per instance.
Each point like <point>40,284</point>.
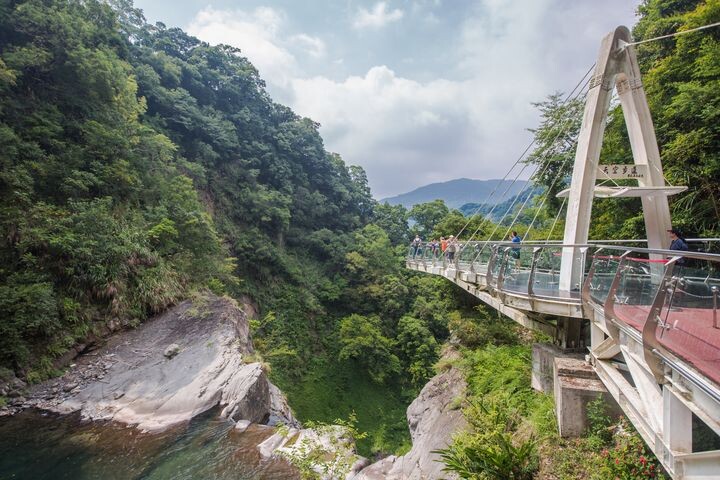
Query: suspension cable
<point>546,195</point>
<point>624,45</point>
<point>492,209</point>
<point>557,217</point>
<point>545,166</point>
<point>487,200</point>
<point>522,155</point>
<point>547,192</point>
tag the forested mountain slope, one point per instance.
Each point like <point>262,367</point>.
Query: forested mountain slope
<point>138,163</point>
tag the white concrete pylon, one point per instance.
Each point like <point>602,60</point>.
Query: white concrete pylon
<point>616,67</point>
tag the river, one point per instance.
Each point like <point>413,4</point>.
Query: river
<point>38,446</point>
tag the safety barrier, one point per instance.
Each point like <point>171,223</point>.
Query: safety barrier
<point>668,297</point>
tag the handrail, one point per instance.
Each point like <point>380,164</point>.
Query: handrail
<point>664,252</point>
<point>533,265</point>
<point>649,331</point>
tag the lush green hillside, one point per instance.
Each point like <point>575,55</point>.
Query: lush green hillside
<point>496,212</point>
<point>139,165</point>
<point>456,193</point>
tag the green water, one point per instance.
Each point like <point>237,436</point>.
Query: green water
<point>37,446</point>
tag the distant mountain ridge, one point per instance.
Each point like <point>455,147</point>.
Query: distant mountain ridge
<point>496,211</point>
<point>459,192</point>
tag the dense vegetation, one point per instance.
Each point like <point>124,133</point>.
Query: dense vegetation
<point>139,164</point>
<point>513,431</point>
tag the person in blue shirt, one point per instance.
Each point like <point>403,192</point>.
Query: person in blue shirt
<point>515,252</point>
<point>677,243</point>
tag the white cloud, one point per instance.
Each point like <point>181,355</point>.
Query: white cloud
<point>400,130</point>
<point>314,46</point>
<point>407,133</point>
<point>256,33</point>
<point>378,17</point>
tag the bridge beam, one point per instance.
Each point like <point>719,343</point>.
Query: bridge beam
<point>616,67</point>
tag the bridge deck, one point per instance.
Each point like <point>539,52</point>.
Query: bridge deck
<point>689,333</point>
<point>658,309</point>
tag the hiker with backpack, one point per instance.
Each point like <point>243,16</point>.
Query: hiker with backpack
<point>416,246</point>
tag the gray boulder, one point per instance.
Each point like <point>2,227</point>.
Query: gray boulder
<point>171,350</point>
<point>433,417</point>
<point>138,385</point>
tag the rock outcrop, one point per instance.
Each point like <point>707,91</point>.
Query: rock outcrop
<point>433,417</point>
<point>329,451</point>
<point>182,363</point>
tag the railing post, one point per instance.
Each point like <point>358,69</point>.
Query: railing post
<point>491,264</point>
<point>533,266</point>
<point>503,266</point>
<point>472,259</point>
<point>583,260</point>
<point>609,306</point>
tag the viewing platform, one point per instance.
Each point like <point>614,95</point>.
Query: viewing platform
<point>646,319</point>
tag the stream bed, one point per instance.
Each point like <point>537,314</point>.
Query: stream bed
<point>35,445</point>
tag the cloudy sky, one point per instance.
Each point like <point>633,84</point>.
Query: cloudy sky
<point>415,91</point>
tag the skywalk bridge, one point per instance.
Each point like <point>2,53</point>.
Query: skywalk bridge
<point>646,317</point>
<point>649,324</point>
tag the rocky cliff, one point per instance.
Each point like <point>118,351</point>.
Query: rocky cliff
<point>199,355</point>
<point>188,360</point>
<point>433,417</point>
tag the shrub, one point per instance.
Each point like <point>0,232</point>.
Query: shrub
<point>628,458</point>
<point>478,331</point>
<point>495,458</point>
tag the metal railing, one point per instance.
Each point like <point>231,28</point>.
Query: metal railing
<point>669,298</point>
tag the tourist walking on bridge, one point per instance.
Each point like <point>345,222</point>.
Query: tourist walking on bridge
<point>515,251</point>
<point>435,245</point>
<point>678,243</point>
<point>452,247</point>
<point>416,245</point>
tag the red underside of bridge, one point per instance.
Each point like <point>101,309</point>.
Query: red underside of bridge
<point>691,335</point>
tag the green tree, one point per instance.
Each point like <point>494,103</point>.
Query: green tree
<point>394,220</point>
<point>361,339</point>
<point>555,145</point>
<point>419,349</point>
<point>682,80</point>
<point>455,223</point>
<point>427,215</point>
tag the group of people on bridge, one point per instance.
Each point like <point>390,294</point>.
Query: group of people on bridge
<point>448,247</point>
